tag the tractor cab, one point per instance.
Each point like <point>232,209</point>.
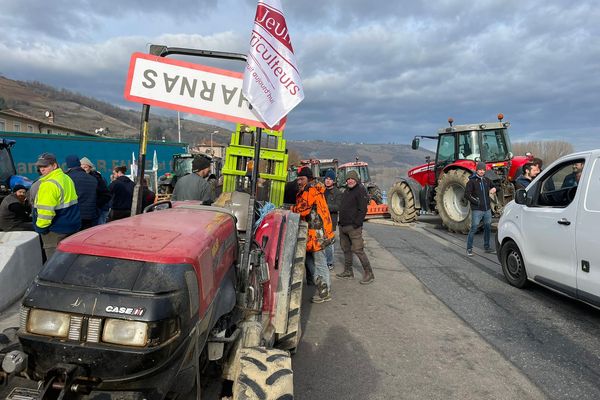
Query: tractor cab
<point>361,168</point>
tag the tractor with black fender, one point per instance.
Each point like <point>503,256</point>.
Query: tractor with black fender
<point>439,185</point>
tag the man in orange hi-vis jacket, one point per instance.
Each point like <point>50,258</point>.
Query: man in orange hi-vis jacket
<point>312,207</point>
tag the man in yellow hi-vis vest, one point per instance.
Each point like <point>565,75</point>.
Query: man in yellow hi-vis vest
<point>55,209</point>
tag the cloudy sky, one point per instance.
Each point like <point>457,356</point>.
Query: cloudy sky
<point>373,71</point>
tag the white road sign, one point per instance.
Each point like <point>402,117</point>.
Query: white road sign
<point>192,88</point>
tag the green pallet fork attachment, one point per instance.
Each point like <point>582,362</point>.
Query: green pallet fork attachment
<point>272,165</point>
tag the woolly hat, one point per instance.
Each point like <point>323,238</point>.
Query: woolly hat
<point>200,163</point>
<point>305,171</point>
<point>18,187</point>
<point>480,165</point>
<point>330,174</point>
<point>353,175</point>
<point>72,161</point>
<point>45,160</point>
<point>86,161</point>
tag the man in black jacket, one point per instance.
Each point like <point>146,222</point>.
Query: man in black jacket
<point>478,191</point>
<point>86,187</point>
<point>353,209</point>
<point>15,211</point>
<point>102,193</point>
<point>333,195</point>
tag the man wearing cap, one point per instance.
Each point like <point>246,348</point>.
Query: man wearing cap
<point>86,187</point>
<point>478,191</point>
<point>312,207</point>
<point>55,208</point>
<point>333,197</point>
<point>15,211</point>
<point>194,186</point>
<point>102,193</point>
<point>353,209</point>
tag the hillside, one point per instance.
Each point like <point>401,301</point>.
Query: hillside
<point>71,109</point>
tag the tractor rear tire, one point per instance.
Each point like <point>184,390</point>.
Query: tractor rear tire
<point>290,339</point>
<point>375,194</point>
<point>401,203</point>
<point>451,205</point>
<point>264,375</point>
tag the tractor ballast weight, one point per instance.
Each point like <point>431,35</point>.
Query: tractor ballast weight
<point>439,185</point>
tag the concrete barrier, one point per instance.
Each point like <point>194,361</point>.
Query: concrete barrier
<point>20,262</point>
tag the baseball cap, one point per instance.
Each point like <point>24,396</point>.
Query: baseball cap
<point>45,160</point>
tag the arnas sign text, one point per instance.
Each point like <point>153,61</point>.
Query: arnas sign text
<point>191,88</point>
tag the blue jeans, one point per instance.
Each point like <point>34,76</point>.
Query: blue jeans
<point>329,254</point>
<point>102,216</point>
<point>316,263</point>
<point>476,217</point>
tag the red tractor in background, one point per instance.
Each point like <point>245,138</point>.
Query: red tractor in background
<point>362,168</point>
<point>439,185</point>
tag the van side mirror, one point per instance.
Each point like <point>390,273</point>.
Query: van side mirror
<point>415,144</point>
<point>521,196</point>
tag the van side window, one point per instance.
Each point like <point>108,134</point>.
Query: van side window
<point>559,188</point>
<point>592,196</point>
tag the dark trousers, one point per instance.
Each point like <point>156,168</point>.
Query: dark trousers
<point>50,240</point>
<point>351,241</point>
<point>114,215</point>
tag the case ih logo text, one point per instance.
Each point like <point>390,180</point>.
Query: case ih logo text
<point>137,311</point>
<point>274,23</point>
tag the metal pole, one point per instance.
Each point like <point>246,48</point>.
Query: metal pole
<point>136,203</point>
<point>178,128</point>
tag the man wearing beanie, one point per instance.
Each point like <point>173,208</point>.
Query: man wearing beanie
<point>333,197</point>
<point>15,211</point>
<point>86,187</point>
<point>55,208</point>
<point>194,186</point>
<point>478,191</point>
<point>312,207</point>
<point>353,209</point>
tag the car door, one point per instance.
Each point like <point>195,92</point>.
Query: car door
<point>548,224</point>
<point>587,237</point>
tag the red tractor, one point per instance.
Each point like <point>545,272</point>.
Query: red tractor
<point>362,168</point>
<point>439,185</point>
<point>144,307</point>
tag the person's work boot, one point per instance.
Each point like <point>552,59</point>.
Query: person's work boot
<point>322,288</point>
<point>318,299</point>
<point>368,276</point>
<point>347,274</point>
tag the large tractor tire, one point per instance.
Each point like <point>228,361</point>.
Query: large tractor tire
<point>375,194</point>
<point>451,205</point>
<point>401,203</point>
<point>290,339</point>
<point>264,375</point>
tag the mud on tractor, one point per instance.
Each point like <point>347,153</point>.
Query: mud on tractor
<point>439,185</point>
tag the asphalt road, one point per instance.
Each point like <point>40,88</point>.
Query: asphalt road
<point>550,339</point>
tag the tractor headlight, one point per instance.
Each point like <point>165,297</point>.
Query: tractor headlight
<point>48,323</point>
<point>127,333</point>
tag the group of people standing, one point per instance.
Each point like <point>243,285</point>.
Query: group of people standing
<point>324,207</point>
<point>61,203</point>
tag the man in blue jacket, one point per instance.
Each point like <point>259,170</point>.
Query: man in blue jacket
<point>478,191</point>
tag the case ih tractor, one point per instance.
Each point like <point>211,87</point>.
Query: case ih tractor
<point>439,185</point>
<point>145,307</point>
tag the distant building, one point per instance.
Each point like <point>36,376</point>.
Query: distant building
<point>216,151</point>
<point>15,121</point>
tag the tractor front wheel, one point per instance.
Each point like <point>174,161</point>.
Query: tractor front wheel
<point>451,205</point>
<point>264,374</point>
<point>401,203</point>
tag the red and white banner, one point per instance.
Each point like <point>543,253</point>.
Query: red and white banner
<point>272,83</point>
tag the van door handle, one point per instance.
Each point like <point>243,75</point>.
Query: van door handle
<point>564,221</point>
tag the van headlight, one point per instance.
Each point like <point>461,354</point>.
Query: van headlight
<point>48,323</point>
<point>127,333</point>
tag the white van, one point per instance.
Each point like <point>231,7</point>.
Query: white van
<point>550,234</point>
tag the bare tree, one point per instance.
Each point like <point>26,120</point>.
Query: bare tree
<point>547,150</point>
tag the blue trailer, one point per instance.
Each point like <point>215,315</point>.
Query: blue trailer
<point>105,153</point>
